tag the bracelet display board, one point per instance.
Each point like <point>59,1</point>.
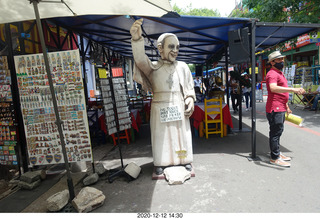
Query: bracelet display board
<point>43,141</point>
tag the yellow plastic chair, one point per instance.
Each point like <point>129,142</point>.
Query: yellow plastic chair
<point>213,107</point>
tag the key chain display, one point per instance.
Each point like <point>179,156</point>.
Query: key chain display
<point>43,141</point>
<point>121,99</point>
<point>8,139</point>
<point>115,101</point>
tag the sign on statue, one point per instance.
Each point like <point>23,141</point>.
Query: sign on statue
<point>170,113</point>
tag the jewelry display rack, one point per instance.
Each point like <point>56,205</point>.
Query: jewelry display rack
<point>44,146</point>
<point>8,126</point>
<point>115,102</point>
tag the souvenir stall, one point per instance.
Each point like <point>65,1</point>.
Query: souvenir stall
<point>42,136</point>
<point>8,130</point>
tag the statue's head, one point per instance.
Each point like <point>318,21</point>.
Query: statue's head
<point>168,46</point>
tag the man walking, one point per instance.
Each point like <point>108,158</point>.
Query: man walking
<point>197,85</point>
<point>277,106</point>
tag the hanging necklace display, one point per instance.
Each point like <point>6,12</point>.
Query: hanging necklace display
<point>44,146</point>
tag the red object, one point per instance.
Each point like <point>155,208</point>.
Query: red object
<point>123,135</point>
<point>276,101</point>
<point>117,72</point>
<point>135,122</point>
<point>198,115</point>
<point>103,127</point>
<point>102,123</point>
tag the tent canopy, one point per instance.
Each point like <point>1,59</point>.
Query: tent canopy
<point>200,37</point>
<point>22,10</point>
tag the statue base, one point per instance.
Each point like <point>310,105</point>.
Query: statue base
<point>162,176</point>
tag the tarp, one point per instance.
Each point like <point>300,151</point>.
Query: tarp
<point>200,37</point>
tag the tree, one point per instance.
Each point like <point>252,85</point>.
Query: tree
<point>192,67</point>
<point>196,11</point>
<point>297,11</point>
<point>244,13</point>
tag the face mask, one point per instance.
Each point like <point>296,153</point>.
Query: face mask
<point>279,65</point>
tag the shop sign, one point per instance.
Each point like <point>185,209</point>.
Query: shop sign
<point>315,37</point>
<point>301,41</point>
<point>230,69</point>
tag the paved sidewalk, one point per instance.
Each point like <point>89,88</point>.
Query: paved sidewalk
<point>225,181</point>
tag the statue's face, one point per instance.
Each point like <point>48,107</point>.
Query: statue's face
<point>170,49</point>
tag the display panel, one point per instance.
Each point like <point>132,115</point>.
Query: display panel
<point>43,141</point>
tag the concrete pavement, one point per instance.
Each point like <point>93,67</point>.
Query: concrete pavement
<point>225,181</point>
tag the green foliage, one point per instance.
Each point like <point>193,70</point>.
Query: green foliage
<point>192,67</point>
<point>297,11</point>
<point>196,11</point>
<point>240,13</point>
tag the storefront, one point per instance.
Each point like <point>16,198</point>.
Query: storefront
<point>306,52</point>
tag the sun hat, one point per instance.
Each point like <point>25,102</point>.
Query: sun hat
<point>275,55</point>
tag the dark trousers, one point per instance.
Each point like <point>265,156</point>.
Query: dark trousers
<point>197,90</point>
<point>247,96</point>
<point>235,99</point>
<point>276,121</point>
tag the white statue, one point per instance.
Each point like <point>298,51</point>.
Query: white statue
<point>173,99</point>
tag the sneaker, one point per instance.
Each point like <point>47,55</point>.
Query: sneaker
<point>247,109</point>
<point>284,157</point>
<point>280,162</point>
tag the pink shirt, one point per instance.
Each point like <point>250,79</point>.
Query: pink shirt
<point>276,101</point>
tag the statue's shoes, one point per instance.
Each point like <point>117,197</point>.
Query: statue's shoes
<point>188,167</point>
<point>159,170</point>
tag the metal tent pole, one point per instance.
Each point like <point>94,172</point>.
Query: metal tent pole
<point>253,89</point>
<point>55,105</point>
<point>227,75</point>
<point>227,81</point>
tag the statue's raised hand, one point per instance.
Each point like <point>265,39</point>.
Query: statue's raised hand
<point>135,30</point>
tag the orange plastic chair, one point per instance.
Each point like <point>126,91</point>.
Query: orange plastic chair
<point>122,135</point>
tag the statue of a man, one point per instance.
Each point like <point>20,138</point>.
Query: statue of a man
<point>173,99</point>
